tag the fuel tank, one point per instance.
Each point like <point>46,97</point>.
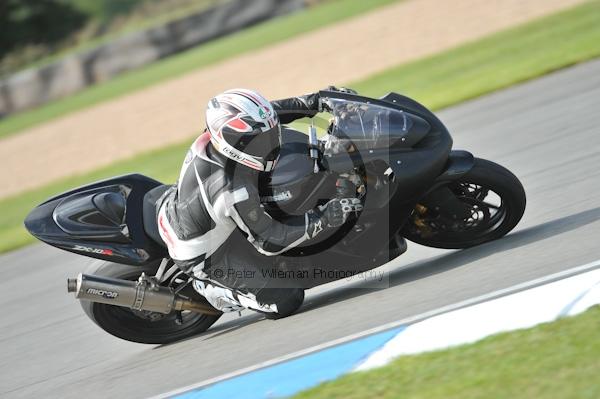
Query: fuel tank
<point>293,188</point>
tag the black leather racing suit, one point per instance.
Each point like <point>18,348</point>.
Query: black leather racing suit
<point>214,200</point>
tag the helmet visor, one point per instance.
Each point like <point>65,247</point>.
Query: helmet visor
<point>264,145</point>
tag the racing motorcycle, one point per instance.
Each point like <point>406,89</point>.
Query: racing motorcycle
<point>392,153</point>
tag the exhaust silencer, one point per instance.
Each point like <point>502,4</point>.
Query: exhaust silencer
<point>143,294</point>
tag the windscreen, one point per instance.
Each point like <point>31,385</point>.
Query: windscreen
<point>365,126</point>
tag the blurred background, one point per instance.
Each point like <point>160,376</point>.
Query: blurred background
<point>94,88</point>
<point>37,32</point>
<point>91,89</point>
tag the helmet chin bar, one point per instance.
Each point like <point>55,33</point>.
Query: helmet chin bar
<point>239,156</point>
<point>247,160</point>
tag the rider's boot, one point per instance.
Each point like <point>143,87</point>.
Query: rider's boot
<point>228,300</point>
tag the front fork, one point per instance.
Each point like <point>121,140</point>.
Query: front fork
<point>440,200</point>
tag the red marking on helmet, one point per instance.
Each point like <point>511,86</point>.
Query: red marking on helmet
<point>108,252</point>
<point>239,125</point>
<point>250,164</point>
<point>257,99</point>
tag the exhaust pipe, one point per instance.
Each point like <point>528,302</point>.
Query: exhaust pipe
<point>143,294</point>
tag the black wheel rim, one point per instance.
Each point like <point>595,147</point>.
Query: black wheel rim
<point>486,208</point>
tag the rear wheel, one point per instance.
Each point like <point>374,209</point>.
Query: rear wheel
<point>492,202</point>
<point>141,326</point>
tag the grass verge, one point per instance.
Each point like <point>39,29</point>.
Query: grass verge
<point>554,360</point>
<point>162,165</point>
<point>498,61</point>
<point>448,78</point>
<point>259,36</point>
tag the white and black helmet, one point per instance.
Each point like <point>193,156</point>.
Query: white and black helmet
<point>243,126</point>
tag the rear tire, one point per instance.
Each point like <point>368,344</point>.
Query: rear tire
<point>140,326</point>
<point>496,179</point>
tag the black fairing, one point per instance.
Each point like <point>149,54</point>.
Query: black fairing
<point>416,162</point>
<point>293,188</point>
<point>115,219</point>
<point>96,214</point>
<point>102,220</point>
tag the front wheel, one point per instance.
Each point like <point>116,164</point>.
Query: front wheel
<point>141,326</point>
<point>486,203</point>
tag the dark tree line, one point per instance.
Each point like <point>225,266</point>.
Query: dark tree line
<point>36,22</point>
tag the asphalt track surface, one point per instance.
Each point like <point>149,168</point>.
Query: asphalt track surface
<point>546,131</point>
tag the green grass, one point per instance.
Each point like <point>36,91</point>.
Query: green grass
<point>262,35</point>
<point>495,62</point>
<point>554,360</point>
<point>162,165</point>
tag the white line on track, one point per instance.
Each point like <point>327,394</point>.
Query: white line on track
<point>409,320</point>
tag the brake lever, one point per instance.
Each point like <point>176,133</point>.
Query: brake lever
<point>313,146</point>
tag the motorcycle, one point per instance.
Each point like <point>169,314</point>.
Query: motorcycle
<point>392,153</point>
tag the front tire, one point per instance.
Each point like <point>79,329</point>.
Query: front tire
<point>141,326</point>
<point>488,221</point>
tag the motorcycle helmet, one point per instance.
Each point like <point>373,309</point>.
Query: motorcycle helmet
<point>244,127</point>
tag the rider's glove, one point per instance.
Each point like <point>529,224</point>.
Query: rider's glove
<point>332,214</point>
<point>341,89</point>
<point>322,106</point>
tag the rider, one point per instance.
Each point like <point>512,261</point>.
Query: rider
<point>215,205</point>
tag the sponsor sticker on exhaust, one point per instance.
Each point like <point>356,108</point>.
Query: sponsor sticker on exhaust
<point>102,293</point>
